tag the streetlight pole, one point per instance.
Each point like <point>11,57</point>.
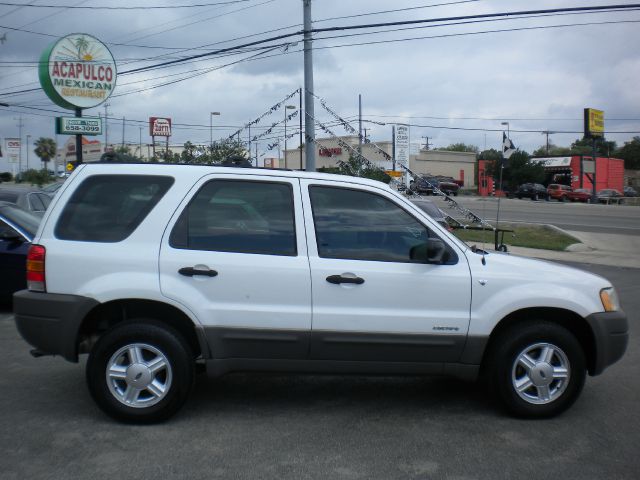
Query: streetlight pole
<point>500,183</point>
<point>287,107</point>
<point>211,129</point>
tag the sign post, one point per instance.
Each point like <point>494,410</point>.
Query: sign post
<point>159,127</point>
<point>402,146</point>
<point>77,72</point>
<point>594,129</point>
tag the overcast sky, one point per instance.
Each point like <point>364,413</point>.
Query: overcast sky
<point>536,79</point>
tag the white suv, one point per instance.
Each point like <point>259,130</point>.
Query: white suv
<point>154,269</point>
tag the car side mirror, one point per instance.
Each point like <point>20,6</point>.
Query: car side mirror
<point>433,251</point>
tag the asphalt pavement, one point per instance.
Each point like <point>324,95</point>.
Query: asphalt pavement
<point>247,426</point>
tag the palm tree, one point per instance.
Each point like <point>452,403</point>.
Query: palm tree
<point>45,149</point>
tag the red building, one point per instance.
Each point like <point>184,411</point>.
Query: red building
<point>575,171</point>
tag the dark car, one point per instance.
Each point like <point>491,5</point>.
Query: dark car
<point>630,192</point>
<point>610,195</point>
<point>424,185</point>
<point>17,228</point>
<point>534,191</point>
<point>557,191</point>
<point>580,195</point>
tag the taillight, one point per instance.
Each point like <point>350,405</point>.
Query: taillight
<point>35,268</point>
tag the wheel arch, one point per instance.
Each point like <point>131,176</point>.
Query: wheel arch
<point>106,315</point>
<point>568,319</point>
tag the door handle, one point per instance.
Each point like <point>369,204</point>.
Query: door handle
<point>337,279</point>
<point>190,272</point>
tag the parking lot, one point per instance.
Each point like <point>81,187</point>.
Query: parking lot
<point>285,426</point>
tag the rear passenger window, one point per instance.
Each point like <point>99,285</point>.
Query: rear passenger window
<point>108,208</point>
<point>238,216</point>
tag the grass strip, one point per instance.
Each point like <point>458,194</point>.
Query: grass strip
<point>524,235</point>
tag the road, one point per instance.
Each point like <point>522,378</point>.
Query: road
<point>580,217</point>
<point>318,427</point>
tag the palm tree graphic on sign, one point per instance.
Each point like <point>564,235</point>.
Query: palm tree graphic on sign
<point>82,45</point>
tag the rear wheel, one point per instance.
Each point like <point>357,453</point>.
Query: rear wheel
<point>536,369</point>
<point>140,371</point>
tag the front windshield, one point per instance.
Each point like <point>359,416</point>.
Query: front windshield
<point>23,219</point>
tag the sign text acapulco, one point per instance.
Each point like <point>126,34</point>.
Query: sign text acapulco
<point>78,71</point>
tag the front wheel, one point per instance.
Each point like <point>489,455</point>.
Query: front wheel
<point>140,371</point>
<point>537,369</point>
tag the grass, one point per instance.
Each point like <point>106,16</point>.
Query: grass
<point>524,235</point>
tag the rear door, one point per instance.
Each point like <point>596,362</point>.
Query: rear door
<point>235,254</point>
<point>371,302</point>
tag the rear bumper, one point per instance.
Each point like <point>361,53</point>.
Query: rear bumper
<point>50,322</point>
<point>611,335</point>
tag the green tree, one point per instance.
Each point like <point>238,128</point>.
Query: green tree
<point>630,153</point>
<point>518,169</point>
<point>225,148</point>
<point>584,146</point>
<point>123,154</point>
<point>45,149</point>
<point>359,167</point>
<point>491,154</point>
<point>460,147</point>
<point>554,151</point>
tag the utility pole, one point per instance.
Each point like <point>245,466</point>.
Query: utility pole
<point>106,127</point>
<point>547,133</point>
<point>366,136</point>
<point>123,133</point>
<point>426,142</point>
<point>309,125</point>
<point>140,144</point>
<point>300,119</point>
<point>359,123</point>
<point>20,125</point>
<point>28,137</point>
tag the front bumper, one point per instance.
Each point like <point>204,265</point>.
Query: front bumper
<point>611,335</point>
<point>50,322</point>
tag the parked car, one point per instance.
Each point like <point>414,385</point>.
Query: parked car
<point>580,195</point>
<point>630,192</point>
<point>52,188</point>
<point>559,192</point>
<point>17,228</point>
<point>324,273</point>
<point>609,195</point>
<point>424,184</point>
<point>534,191</point>
<point>33,201</point>
<point>434,212</point>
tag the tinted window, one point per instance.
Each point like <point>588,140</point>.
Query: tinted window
<point>238,216</point>
<point>108,208</point>
<point>23,219</point>
<point>358,225</point>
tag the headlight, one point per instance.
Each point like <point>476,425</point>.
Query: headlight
<point>609,299</point>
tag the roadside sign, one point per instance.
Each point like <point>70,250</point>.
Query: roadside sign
<point>69,167</point>
<point>593,122</point>
<point>78,126</point>
<point>393,173</point>
<point>12,149</point>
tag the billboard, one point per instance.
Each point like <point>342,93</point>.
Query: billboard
<point>593,122</point>
<point>12,149</point>
<point>77,71</point>
<point>159,127</point>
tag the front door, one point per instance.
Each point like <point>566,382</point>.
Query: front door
<point>235,254</point>
<point>371,301</point>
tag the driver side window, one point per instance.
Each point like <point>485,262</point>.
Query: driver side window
<point>359,225</point>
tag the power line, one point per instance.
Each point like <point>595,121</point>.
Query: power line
<point>137,7</point>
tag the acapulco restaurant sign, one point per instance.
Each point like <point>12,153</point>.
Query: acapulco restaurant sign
<point>77,71</point>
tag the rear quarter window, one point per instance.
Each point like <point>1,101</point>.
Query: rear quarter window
<point>108,208</point>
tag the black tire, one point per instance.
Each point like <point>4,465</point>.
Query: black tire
<point>502,370</point>
<point>149,337</point>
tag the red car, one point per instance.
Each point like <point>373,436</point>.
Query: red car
<point>580,195</point>
<point>558,192</point>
